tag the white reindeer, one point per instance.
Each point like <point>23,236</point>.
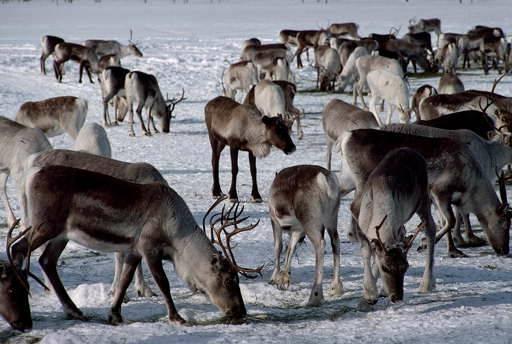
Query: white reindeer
<point>306,207</point>
<point>349,73</point>
<point>391,88</point>
<point>54,116</point>
<point>240,76</point>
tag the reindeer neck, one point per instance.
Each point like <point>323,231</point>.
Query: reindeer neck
<point>256,138</point>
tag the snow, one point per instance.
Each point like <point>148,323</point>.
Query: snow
<point>187,45</point>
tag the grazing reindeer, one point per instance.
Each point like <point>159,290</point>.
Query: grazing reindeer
<point>349,73</point>
<point>86,57</point>
<point>391,88</point>
<point>48,44</point>
<point>425,25</point>
<point>350,29</point>
<point>476,121</point>
<point>17,143</point>
<point>109,47</point>
<point>140,173</point>
<point>449,83</point>
<point>274,99</point>
<point>93,139</point>
<point>339,118</point>
<point>309,39</point>
<point>455,178</point>
<point>241,127</point>
<point>112,87</point>
<point>423,92</point>
<point>304,201</point>
<point>142,90</point>
<point>239,76</point>
<point>54,116</point>
<point>328,67</point>
<point>392,194</point>
<point>365,64</point>
<point>150,222</point>
<point>14,305</point>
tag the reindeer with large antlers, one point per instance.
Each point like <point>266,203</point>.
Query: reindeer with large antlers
<point>393,193</point>
<point>304,201</point>
<point>150,222</point>
<point>143,91</point>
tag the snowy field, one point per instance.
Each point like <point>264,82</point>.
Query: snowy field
<point>187,45</point>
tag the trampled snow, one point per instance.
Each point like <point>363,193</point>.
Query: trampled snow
<point>188,45</point>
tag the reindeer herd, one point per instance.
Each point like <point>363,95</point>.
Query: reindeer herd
<point>444,165</point>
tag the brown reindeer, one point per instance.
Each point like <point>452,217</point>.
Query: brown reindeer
<point>242,127</point>
<point>86,57</point>
<point>309,39</point>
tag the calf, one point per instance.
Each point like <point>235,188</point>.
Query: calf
<point>241,127</point>
<point>392,194</point>
<point>304,201</point>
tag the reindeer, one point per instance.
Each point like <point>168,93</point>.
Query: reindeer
<point>239,76</point>
<point>274,99</point>
<point>422,39</point>
<point>48,44</point>
<point>349,73</point>
<point>112,87</point>
<point>14,305</point>
<point>392,194</point>
<point>275,50</point>
<point>93,139</point>
<point>339,118</point>
<point>277,69</point>
<point>150,222</point>
<point>328,67</point>
<point>474,40</point>
<point>423,92</point>
<point>455,178</point>
<point>304,201</point>
<point>391,88</point>
<point>448,57</point>
<point>140,173</point>
<point>350,29</point>
<point>365,64</point>
<point>54,116</point>
<point>17,143</point>
<point>110,47</point>
<point>241,127</point>
<point>86,57</point>
<point>309,39</point>
<point>406,52</point>
<point>251,42</point>
<point>142,90</point>
<point>289,37</point>
<point>450,83</point>
<point>425,25</point>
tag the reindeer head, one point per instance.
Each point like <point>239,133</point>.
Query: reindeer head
<point>277,133</point>
<point>170,104</point>
<point>224,290</point>
<point>392,263</point>
<point>134,50</point>
<point>497,230</point>
<point>14,306</point>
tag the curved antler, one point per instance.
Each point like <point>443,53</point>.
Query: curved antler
<point>219,224</point>
<point>497,81</point>
<point>171,103</point>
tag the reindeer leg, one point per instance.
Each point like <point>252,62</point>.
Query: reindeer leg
<point>370,293</point>
<point>139,114</point>
<point>131,260</point>
<point>458,239</point>
<point>233,196</point>
<point>10,214</point>
<point>148,133</point>
<point>336,284</point>
<point>328,154</point>
<point>57,71</point>
<point>283,279</point>
<point>473,240</point>
<point>81,71</point>
<point>140,285</point>
<point>317,239</point>
<point>446,211</point>
<point>42,63</point>
<point>217,148</point>
<point>88,71</point>
<point>106,116</point>
<point>278,247</point>
<point>130,117</point>
<point>118,266</point>
<point>157,270</point>
<point>428,282</point>
<point>153,123</point>
<point>255,194</point>
<point>48,262</point>
<point>300,133</point>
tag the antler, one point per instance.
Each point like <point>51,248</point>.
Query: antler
<point>10,241</point>
<point>377,228</point>
<point>410,240</point>
<point>171,103</point>
<point>497,81</point>
<point>394,31</point>
<point>489,102</point>
<point>219,224</point>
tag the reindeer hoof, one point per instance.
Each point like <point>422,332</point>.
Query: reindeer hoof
<point>336,289</point>
<point>282,281</point>
<point>76,315</point>
<point>145,292</point>
<point>176,319</point>
<point>257,199</point>
<point>475,241</point>
<point>131,134</point>
<point>147,133</point>
<point>115,318</point>
<point>455,253</point>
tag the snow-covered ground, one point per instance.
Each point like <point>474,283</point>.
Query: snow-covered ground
<point>187,45</point>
